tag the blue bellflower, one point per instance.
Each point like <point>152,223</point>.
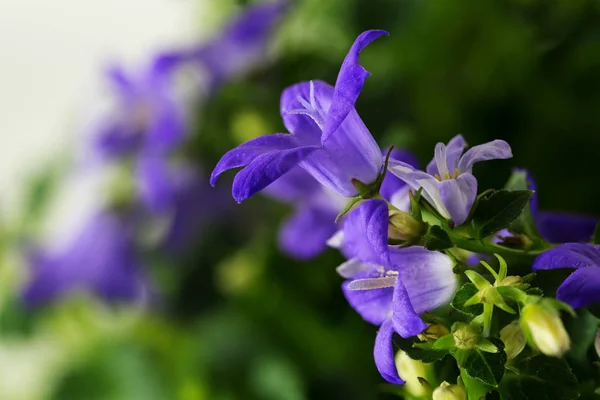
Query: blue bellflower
<point>582,287</point>
<point>390,286</point>
<point>328,139</point>
<point>449,185</point>
<point>101,259</point>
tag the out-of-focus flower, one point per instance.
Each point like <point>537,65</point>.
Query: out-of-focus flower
<point>411,370</point>
<point>582,287</point>
<point>513,338</point>
<point>101,258</point>
<point>328,140</point>
<point>542,325</point>
<point>391,286</point>
<point>447,391</point>
<point>449,184</point>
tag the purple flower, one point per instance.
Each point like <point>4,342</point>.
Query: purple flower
<point>101,258</point>
<point>328,139</point>
<point>449,184</point>
<point>582,287</point>
<point>390,286</point>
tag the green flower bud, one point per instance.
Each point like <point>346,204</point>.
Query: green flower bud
<point>447,391</point>
<point>511,281</point>
<point>404,226</point>
<point>433,332</point>
<point>514,339</point>
<point>464,336</point>
<point>411,370</point>
<point>544,329</point>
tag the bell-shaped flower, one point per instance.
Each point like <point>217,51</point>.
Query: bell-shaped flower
<point>390,286</point>
<point>101,258</point>
<point>328,139</point>
<point>449,184</point>
<point>582,287</point>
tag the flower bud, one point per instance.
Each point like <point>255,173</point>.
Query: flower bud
<point>411,370</point>
<point>433,332</point>
<point>544,328</point>
<point>464,336</point>
<point>513,338</point>
<point>403,226</point>
<point>511,281</point>
<point>447,391</point>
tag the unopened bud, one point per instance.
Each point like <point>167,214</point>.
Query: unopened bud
<point>513,338</point>
<point>447,391</point>
<point>404,226</point>
<point>411,370</point>
<point>511,281</point>
<point>434,332</point>
<point>464,336</point>
<point>544,328</point>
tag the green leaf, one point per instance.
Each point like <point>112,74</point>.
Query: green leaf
<point>474,387</point>
<point>497,210</point>
<point>483,366</point>
<point>540,378</point>
<point>467,291</point>
<point>582,331</point>
<point>437,239</point>
<point>418,350</point>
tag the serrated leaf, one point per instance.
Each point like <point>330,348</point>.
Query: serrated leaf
<point>496,211</point>
<point>437,239</point>
<point>483,366</point>
<point>424,352</point>
<point>467,291</point>
<point>540,378</point>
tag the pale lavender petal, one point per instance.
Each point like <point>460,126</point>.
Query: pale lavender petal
<point>304,235</point>
<point>384,354</point>
<point>374,306</point>
<point>352,267</point>
<point>392,184</point>
<point>581,288</point>
<point>570,255</point>
<point>305,125</point>
<point>431,193</point>
<point>454,150</point>
<point>458,196</point>
<point>560,227</point>
<point>405,319</point>
<point>428,276</point>
<point>401,199</point>
<point>156,186</point>
<point>494,150</point>
<point>366,232</point>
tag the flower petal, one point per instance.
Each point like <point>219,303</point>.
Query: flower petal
<point>373,306</point>
<point>454,150</point>
<point>352,267</point>
<point>155,184</point>
<point>570,255</point>
<point>581,288</point>
<point>401,199</point>
<point>391,184</point>
<point>265,169</point>
<point>558,227</point>
<point>458,196</point>
<point>428,276</point>
<point>405,319</point>
<point>304,235</point>
<point>384,354</point>
<point>494,150</point>
<point>366,232</point>
<point>294,186</point>
<point>350,81</point>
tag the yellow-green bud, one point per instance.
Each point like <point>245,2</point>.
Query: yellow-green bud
<point>513,338</point>
<point>433,332</point>
<point>511,281</point>
<point>447,391</point>
<point>464,336</point>
<point>544,328</point>
<point>403,226</point>
<point>411,370</point>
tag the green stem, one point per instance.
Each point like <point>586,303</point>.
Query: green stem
<point>479,246</point>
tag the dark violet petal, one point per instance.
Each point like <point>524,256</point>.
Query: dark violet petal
<point>374,305</point>
<point>247,152</point>
<point>304,235</point>
<point>494,150</point>
<point>454,150</point>
<point>155,183</point>
<point>581,288</point>
<point>405,319</point>
<point>294,186</point>
<point>350,81</point>
<point>391,184</point>
<point>458,196</point>
<point>366,233</point>
<point>265,169</point>
<point>384,354</point>
<point>570,255</point>
<point>561,227</point>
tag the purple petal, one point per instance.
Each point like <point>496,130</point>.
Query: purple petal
<point>304,125</point>
<point>454,150</point>
<point>405,319</point>
<point>564,227</point>
<point>581,288</point>
<point>304,235</point>
<point>458,196</point>
<point>428,276</point>
<point>366,232</point>
<point>374,306</point>
<point>247,152</point>
<point>156,185</point>
<point>294,186</point>
<point>401,199</point>
<point>384,354</point>
<point>570,255</point>
<point>392,184</point>
<point>350,81</point>
<point>495,150</point>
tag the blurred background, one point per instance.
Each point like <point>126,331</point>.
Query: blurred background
<point>123,275</point>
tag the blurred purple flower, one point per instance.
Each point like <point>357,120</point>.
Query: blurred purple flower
<point>582,287</point>
<point>449,184</point>
<point>101,259</point>
<point>390,286</point>
<point>328,139</point>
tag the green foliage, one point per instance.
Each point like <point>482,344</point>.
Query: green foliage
<point>467,291</point>
<point>437,239</point>
<point>482,365</point>
<point>417,350</point>
<point>497,210</point>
